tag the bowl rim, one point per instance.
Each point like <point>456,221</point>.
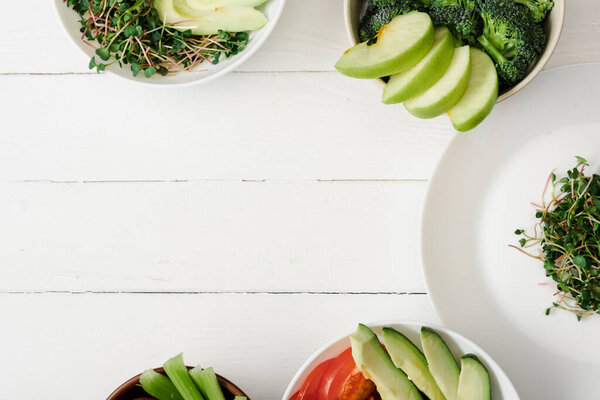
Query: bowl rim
<point>378,324</point>
<point>241,57</point>
<point>136,379</point>
<point>559,7</point>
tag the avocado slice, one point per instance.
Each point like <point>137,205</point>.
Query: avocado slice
<point>373,361</point>
<point>442,365</point>
<point>409,359</point>
<point>212,4</point>
<point>208,22</point>
<point>474,382</point>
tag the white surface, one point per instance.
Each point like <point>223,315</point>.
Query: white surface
<point>488,181</point>
<point>95,205</point>
<point>501,387</point>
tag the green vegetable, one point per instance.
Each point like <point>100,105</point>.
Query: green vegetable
<point>207,381</point>
<point>130,32</point>
<point>569,235</point>
<point>511,37</point>
<point>178,372</point>
<point>240,398</point>
<point>380,12</point>
<point>538,8</point>
<point>159,386</point>
<point>461,16</point>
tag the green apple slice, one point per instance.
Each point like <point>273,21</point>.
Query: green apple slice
<point>425,74</point>
<point>480,96</point>
<point>446,92</point>
<point>400,45</point>
<point>230,19</point>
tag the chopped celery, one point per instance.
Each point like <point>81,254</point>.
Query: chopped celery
<point>207,381</point>
<point>177,371</point>
<point>159,386</point>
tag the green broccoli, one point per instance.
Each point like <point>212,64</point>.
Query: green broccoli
<point>461,16</point>
<point>380,12</point>
<point>538,8</point>
<point>511,37</point>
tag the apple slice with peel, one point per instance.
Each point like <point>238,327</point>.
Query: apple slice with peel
<point>401,44</point>
<point>480,96</point>
<point>204,22</point>
<point>446,92</point>
<point>422,76</point>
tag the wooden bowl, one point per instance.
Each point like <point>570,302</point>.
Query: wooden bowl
<point>131,390</point>
<point>353,10</point>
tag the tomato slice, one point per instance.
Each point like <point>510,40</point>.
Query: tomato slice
<point>312,383</point>
<point>358,388</point>
<point>328,379</point>
<point>345,367</point>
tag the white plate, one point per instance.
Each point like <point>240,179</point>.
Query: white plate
<point>205,72</point>
<point>502,389</point>
<point>480,193</point>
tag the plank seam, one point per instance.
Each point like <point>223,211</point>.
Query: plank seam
<point>103,74</point>
<point>273,293</point>
<point>208,180</point>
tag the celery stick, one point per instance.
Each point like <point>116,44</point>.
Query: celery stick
<point>240,398</point>
<point>159,386</point>
<point>177,371</point>
<point>207,382</point>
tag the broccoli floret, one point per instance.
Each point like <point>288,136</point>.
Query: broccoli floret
<point>461,16</point>
<point>412,4</point>
<point>511,37</point>
<point>538,8</point>
<point>380,12</point>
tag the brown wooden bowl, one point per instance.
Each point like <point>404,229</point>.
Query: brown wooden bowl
<point>131,390</point>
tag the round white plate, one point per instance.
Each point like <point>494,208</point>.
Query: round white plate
<point>480,193</point>
<point>502,389</point>
<point>205,72</point>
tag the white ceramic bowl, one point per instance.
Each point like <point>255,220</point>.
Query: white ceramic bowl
<point>553,24</point>
<point>502,388</point>
<point>207,71</point>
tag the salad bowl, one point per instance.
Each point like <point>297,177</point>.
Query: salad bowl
<point>501,387</point>
<point>205,72</point>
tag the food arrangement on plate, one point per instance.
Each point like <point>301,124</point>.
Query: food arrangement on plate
<point>165,36</point>
<point>567,238</point>
<point>395,368</point>
<point>447,56</point>
<point>176,381</point>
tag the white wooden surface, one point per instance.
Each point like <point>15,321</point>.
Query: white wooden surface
<point>245,222</point>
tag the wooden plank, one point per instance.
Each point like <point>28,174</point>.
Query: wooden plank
<point>268,126</point>
<point>84,346</point>
<point>309,37</point>
<point>211,236</point>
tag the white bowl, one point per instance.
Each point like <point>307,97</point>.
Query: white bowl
<point>206,71</point>
<point>502,388</point>
<point>553,25</point>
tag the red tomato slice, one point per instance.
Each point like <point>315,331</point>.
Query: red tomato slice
<point>312,383</point>
<point>328,379</point>
<point>345,368</point>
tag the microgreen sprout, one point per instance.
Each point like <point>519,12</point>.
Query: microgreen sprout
<point>568,237</point>
<point>130,32</point>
